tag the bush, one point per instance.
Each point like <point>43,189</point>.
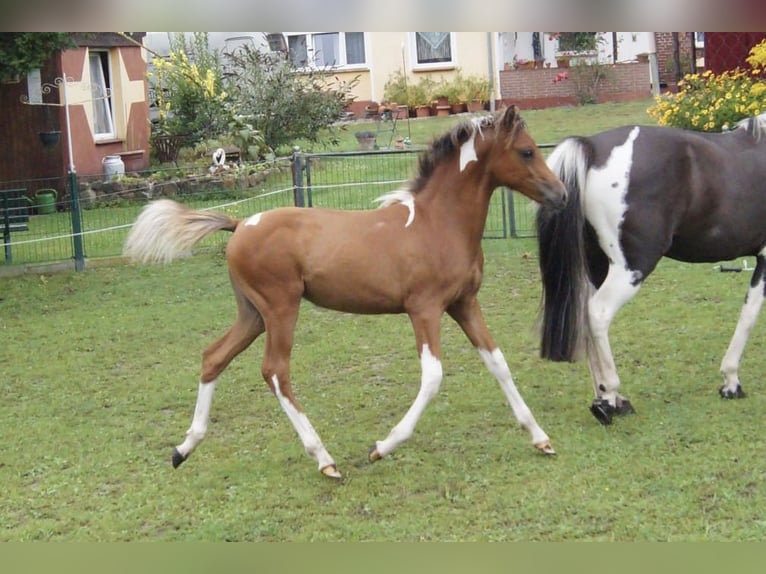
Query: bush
<point>711,103</point>
<point>281,103</point>
<point>189,87</point>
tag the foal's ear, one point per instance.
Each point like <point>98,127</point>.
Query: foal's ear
<point>510,116</point>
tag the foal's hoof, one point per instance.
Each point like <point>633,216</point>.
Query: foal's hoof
<point>374,455</point>
<point>545,447</point>
<point>331,471</point>
<point>604,412</point>
<point>727,393</point>
<point>178,458</point>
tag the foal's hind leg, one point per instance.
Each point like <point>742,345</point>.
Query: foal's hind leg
<point>732,389</point>
<point>468,315</point>
<point>216,358</point>
<point>276,373</point>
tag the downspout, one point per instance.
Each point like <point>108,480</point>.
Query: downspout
<point>491,70</point>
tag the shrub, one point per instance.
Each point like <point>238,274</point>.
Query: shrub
<point>282,103</point>
<point>189,87</point>
<point>709,102</point>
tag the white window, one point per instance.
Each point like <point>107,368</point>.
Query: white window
<point>433,50</point>
<point>101,94</point>
<point>699,39</point>
<point>327,49</point>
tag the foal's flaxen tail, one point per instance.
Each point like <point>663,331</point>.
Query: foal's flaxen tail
<point>166,230</point>
<point>560,237</point>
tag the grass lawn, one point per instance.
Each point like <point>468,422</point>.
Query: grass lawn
<point>100,371</point>
<point>547,126</point>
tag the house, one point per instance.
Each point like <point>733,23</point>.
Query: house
<point>107,108</point>
<point>374,57</point>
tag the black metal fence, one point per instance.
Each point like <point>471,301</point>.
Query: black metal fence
<point>346,180</point>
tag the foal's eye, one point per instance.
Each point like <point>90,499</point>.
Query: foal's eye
<point>527,153</point>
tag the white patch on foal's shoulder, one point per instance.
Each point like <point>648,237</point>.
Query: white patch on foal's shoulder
<point>402,196</point>
<point>468,152</point>
<point>253,219</point>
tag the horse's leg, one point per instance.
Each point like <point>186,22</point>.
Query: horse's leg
<point>216,357</point>
<point>276,373</point>
<point>467,313</point>
<point>426,327</point>
<point>732,389</point>
<point>618,288</point>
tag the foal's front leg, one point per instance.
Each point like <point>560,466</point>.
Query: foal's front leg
<point>426,328</point>
<point>468,315</point>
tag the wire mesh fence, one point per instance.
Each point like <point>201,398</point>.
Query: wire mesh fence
<point>350,180</point>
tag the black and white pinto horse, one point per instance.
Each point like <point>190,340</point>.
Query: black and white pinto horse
<point>636,194</point>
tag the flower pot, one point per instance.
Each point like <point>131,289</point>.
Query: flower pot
<point>562,62</point>
<point>366,140</point>
<point>475,106</point>
<point>50,139</point>
<point>422,111</point>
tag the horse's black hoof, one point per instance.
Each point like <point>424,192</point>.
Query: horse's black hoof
<point>602,410</point>
<point>178,458</point>
<point>728,394</point>
<point>625,408</point>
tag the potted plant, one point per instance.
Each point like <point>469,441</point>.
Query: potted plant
<point>419,97</point>
<point>366,140</point>
<point>477,92</point>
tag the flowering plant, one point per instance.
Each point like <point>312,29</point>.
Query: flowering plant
<point>713,102</point>
<point>188,85</point>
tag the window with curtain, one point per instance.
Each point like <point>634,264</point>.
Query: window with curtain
<point>103,120</point>
<point>433,47</point>
<point>326,49</point>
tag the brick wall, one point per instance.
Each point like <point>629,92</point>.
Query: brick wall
<point>665,60</point>
<point>530,89</point>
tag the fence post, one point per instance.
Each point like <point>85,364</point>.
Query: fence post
<point>74,192</point>
<point>298,162</point>
<point>512,214</point>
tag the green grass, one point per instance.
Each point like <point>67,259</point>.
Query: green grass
<point>101,367</point>
<point>547,126</point>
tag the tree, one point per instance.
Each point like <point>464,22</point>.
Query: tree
<point>282,103</point>
<point>21,52</point>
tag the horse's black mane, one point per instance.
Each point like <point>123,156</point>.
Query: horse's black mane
<point>444,146</point>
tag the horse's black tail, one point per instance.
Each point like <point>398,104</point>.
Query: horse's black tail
<point>560,237</point>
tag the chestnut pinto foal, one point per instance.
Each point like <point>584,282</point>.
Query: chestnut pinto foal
<point>419,253</point>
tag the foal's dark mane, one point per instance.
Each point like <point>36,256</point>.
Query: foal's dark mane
<point>448,144</point>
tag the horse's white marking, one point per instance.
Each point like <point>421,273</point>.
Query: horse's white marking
<point>199,424</point>
<point>604,197</point>
<point>430,381</point>
<point>604,202</point>
<point>468,152</point>
<point>254,219</point>
<point>747,317</point>
<point>495,362</point>
<point>402,196</point>
<point>309,437</point>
